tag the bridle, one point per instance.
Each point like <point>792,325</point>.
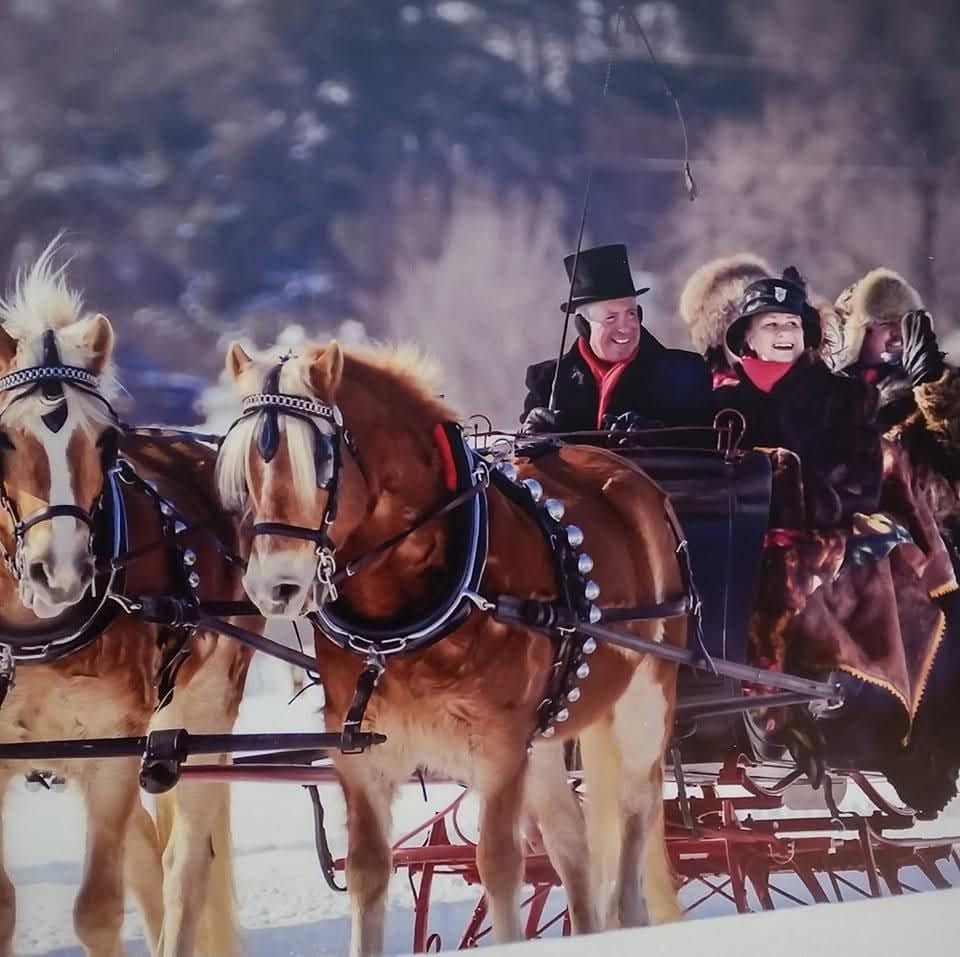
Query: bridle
<point>271,403</point>
<point>50,377</point>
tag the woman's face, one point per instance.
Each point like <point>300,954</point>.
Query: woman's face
<point>776,336</point>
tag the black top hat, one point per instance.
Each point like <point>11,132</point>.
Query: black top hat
<point>774,295</point>
<point>603,272</point>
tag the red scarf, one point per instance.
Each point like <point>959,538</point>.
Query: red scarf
<point>765,373</point>
<point>606,374</point>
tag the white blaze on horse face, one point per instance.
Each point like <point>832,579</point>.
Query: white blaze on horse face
<point>281,570</point>
<point>57,560</point>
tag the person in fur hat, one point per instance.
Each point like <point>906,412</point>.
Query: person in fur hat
<point>710,301</point>
<point>790,399</point>
<point>616,372</point>
<point>889,339</point>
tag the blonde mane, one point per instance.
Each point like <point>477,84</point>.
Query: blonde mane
<point>412,378</point>
<point>42,300</point>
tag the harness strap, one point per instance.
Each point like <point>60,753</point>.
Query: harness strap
<point>366,684</point>
<point>351,568</point>
<point>55,511</point>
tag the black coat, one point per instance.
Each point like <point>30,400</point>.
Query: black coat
<point>830,422</point>
<point>671,386</point>
<point>896,399</point>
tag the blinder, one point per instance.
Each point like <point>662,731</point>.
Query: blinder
<point>52,389</point>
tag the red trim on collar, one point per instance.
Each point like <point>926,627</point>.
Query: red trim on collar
<point>765,373</point>
<point>606,374</point>
<point>446,456</point>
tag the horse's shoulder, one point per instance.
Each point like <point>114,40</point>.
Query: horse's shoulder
<point>590,469</point>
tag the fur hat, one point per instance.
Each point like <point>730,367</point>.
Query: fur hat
<point>881,296</point>
<point>711,297</point>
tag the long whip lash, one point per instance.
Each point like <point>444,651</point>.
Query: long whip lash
<point>688,182</point>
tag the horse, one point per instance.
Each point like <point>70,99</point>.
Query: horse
<point>72,481</point>
<point>344,470</point>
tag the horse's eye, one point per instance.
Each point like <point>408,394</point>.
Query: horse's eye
<point>324,460</point>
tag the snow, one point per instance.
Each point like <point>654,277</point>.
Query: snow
<point>284,905</point>
<point>889,926</point>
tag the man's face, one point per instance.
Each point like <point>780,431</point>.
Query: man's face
<point>883,343</point>
<point>776,336</point>
<point>614,328</point>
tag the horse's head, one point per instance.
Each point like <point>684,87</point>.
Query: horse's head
<point>56,430</point>
<point>287,465</point>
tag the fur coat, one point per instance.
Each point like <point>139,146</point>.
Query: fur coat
<point>829,422</point>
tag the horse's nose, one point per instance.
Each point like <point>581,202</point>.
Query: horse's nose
<point>62,581</point>
<point>285,592</point>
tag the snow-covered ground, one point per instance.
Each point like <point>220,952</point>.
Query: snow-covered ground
<point>923,924</point>
<point>285,907</point>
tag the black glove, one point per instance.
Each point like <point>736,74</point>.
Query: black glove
<point>540,419</point>
<point>629,422</point>
<point>922,359</point>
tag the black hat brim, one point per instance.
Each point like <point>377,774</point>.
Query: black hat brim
<point>579,301</point>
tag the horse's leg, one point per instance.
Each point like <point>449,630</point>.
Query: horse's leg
<point>368,793</point>
<point>642,719</point>
<point>143,869</point>
<point>499,855</point>
<point>8,895</point>
<point>109,791</point>
<point>550,797</point>
<point>193,818</point>
<point>601,770</point>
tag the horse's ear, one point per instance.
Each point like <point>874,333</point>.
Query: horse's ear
<point>98,339</point>
<point>326,371</point>
<point>8,349</point>
<point>237,360</point>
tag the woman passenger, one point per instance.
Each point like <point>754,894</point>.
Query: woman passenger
<point>790,399</point>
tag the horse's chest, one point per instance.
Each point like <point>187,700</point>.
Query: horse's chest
<point>49,706</point>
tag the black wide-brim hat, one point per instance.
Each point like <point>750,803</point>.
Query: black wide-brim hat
<point>774,295</point>
<point>603,272</point>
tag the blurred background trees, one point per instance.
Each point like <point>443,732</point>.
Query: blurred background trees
<point>232,168</point>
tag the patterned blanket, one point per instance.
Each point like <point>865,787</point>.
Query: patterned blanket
<point>858,600</point>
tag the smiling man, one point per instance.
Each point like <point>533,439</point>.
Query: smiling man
<point>615,370</point>
<point>888,339</point>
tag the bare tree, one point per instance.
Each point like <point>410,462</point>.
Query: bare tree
<point>487,304</point>
<point>851,161</point>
